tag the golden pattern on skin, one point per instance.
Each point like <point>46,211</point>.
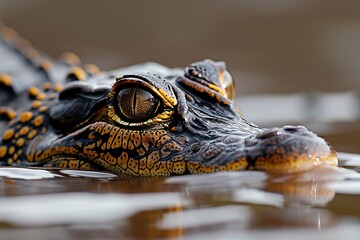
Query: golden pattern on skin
<point>122,160</point>
<point>58,88</point>
<point>69,162</point>
<point>3,150</point>
<point>45,65</point>
<point>153,158</point>
<point>109,158</point>
<point>21,130</point>
<point>103,163</point>
<point>92,69</point>
<point>5,79</point>
<point>179,167</point>
<point>9,34</point>
<point>145,172</point>
<point>86,166</point>
<point>19,152</point>
<point>133,165</point>
<point>225,86</point>
<point>36,104</point>
<point>7,112</point>
<point>170,147</point>
<point>47,86</point>
<point>132,140</point>
<point>115,139</point>
<point>141,151</point>
<point>37,121</point>
<point>36,93</point>
<point>33,92</point>
<point>142,164</point>
<point>8,134</point>
<point>62,164</point>
<point>171,100</point>
<point>30,156</point>
<point>11,150</point>
<point>135,140</point>
<point>70,58</point>
<point>204,89</point>
<point>125,139</point>
<point>73,164</point>
<point>90,152</point>
<point>294,162</point>
<point>78,73</point>
<point>43,109</point>
<point>31,54</point>
<point>216,88</point>
<point>32,134</point>
<point>236,165</point>
<point>41,155</point>
<point>25,116</point>
<point>41,96</point>
<point>154,171</point>
<point>20,142</point>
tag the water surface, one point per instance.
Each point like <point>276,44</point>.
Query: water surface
<point>69,204</point>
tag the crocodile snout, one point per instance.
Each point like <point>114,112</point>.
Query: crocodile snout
<point>289,149</point>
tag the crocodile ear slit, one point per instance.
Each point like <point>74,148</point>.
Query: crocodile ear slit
<point>65,114</point>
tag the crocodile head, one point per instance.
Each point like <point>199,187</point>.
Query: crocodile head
<point>147,124</point>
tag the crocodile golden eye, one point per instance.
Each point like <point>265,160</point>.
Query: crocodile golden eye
<point>228,84</point>
<point>136,104</point>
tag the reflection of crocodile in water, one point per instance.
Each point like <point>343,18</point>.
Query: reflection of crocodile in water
<point>145,120</point>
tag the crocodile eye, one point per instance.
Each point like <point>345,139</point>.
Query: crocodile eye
<point>136,104</point>
<point>228,84</point>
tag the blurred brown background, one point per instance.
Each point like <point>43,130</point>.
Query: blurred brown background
<point>271,47</point>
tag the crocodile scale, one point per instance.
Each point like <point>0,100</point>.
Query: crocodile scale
<point>142,120</point>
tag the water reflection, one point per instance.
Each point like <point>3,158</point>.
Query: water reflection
<point>205,217</point>
<point>26,174</point>
<point>87,174</point>
<point>80,204</point>
<point>81,208</point>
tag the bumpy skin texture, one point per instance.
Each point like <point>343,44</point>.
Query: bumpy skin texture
<point>145,120</point>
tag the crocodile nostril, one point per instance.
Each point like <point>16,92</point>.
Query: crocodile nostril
<point>268,133</point>
<point>294,129</point>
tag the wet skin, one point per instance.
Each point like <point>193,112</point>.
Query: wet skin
<point>146,120</point>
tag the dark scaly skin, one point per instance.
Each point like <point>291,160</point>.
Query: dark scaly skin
<point>145,120</point>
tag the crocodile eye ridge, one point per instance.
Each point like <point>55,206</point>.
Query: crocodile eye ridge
<point>136,104</point>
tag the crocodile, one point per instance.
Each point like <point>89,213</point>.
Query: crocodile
<point>142,120</point>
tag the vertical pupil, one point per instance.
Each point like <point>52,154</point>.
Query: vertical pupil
<point>136,104</point>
